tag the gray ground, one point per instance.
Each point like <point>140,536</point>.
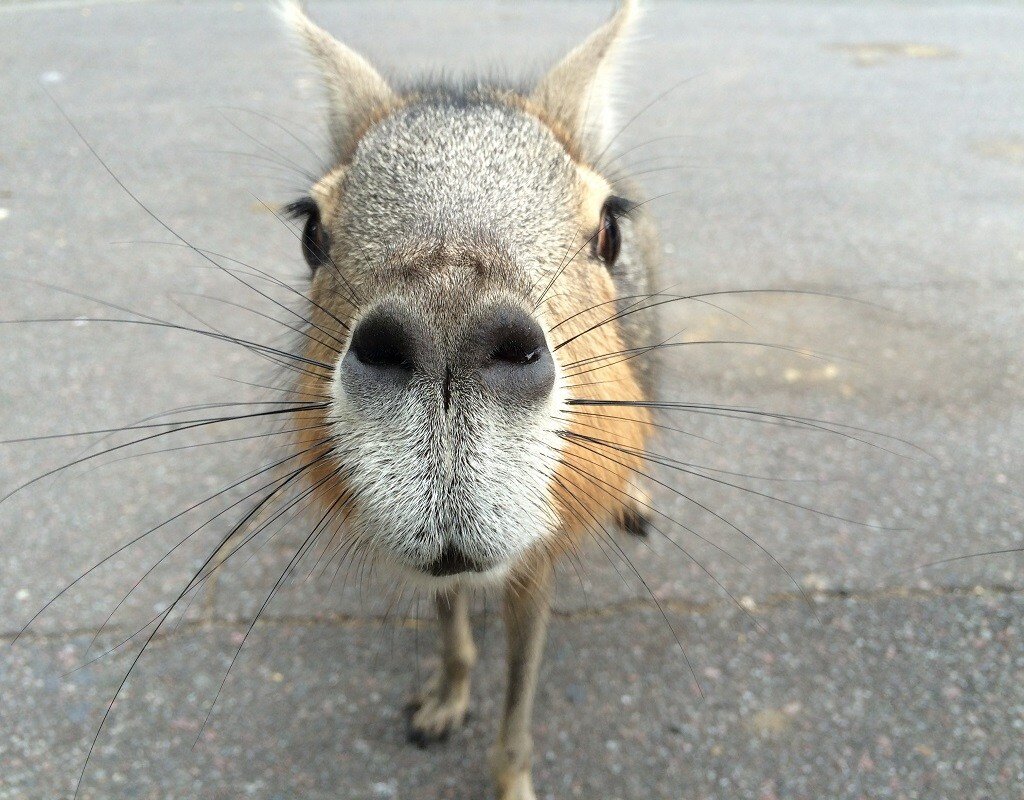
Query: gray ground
<point>870,150</point>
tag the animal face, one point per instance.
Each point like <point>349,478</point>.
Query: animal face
<point>470,266</point>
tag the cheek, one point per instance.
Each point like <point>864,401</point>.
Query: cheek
<point>324,333</point>
<point>579,315</point>
<point>603,433</point>
<point>316,465</point>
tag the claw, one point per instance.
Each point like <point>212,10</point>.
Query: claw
<point>636,522</point>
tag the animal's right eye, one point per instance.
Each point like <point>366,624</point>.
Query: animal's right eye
<point>316,245</point>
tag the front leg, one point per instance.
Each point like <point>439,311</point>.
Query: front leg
<point>527,608</point>
<point>440,707</point>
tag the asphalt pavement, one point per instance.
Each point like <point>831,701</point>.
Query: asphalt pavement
<point>862,162</point>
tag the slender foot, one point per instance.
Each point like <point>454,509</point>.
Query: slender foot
<point>526,611</point>
<point>440,707</point>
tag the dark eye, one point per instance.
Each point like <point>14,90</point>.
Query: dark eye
<point>609,237</point>
<point>316,245</point>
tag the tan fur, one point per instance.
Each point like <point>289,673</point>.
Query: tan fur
<point>596,475</point>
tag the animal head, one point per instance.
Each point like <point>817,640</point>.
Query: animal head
<point>469,330</point>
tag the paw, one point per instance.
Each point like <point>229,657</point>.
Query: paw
<point>436,711</point>
<point>520,787</point>
<point>510,767</point>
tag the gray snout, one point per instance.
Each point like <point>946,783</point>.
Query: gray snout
<point>501,351</point>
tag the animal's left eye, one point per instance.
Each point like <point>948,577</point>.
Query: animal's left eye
<point>316,245</point>
<point>609,237</point>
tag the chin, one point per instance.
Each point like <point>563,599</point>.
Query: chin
<point>422,577</point>
<point>447,547</point>
<point>474,564</point>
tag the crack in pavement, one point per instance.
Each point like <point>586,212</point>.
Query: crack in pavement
<point>676,605</point>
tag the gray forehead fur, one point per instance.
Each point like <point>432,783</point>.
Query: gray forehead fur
<point>460,173</point>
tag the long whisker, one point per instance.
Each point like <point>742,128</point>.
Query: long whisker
<point>255,273</point>
<point>277,122</point>
<point>637,352</point>
<point>150,437</point>
<point>255,347</point>
<point>667,299</point>
<point>146,208</point>
<point>578,412</point>
<point>159,624</point>
<point>206,572</point>
<point>650,592</point>
<point>705,467</point>
<point>590,239</point>
<point>212,519</point>
<point>647,107</point>
<point>231,440</point>
<point>693,470</point>
<point>707,510</point>
<point>151,425</point>
<point>353,295</point>
<point>965,557</point>
<point>614,493</point>
<point>739,412</point>
<point>284,160</point>
<point>300,551</point>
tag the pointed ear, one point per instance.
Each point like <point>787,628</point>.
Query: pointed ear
<point>576,94</point>
<point>356,92</point>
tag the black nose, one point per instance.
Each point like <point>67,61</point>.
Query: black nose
<point>502,350</point>
<point>512,354</point>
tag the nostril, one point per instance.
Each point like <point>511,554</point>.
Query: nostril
<point>382,354</point>
<point>381,340</point>
<point>519,353</point>
<point>515,338</point>
<point>517,363</point>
